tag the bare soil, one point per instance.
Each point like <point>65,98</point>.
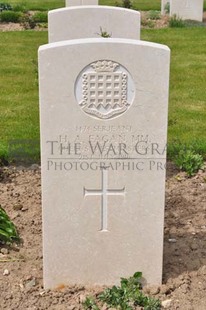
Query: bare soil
<point>184,281</point>
<point>19,27</point>
<point>162,22</point>
<point>11,27</point>
<point>146,22</point>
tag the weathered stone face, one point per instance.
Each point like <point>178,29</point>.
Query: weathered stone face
<point>93,22</point>
<point>103,105</point>
<point>81,2</point>
<point>187,9</point>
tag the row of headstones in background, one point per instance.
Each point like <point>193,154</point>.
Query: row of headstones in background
<point>185,9</point>
<point>81,2</point>
<point>89,22</point>
<point>103,107</point>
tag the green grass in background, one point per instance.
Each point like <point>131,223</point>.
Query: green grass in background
<point>43,5</point>
<point>19,118</point>
<point>143,5</point>
<point>19,112</point>
<point>187,110</point>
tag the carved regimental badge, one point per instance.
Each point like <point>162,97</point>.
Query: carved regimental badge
<point>104,89</point>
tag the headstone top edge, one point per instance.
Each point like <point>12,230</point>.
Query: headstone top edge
<point>92,7</point>
<point>103,41</point>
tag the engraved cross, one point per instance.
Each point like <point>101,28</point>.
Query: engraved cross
<point>104,192</point>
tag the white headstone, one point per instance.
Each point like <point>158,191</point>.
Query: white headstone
<point>103,105</point>
<point>81,2</point>
<point>88,22</point>
<point>187,9</point>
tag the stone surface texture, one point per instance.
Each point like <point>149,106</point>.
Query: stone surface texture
<point>187,9</point>
<point>89,22</point>
<point>103,176</point>
<point>81,2</point>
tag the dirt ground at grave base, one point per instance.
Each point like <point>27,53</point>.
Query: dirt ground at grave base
<point>184,279</point>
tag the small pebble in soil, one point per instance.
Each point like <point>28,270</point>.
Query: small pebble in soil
<point>172,240</point>
<point>25,208</point>
<point>42,293</point>
<point>166,303</point>
<point>6,272</point>
<point>30,284</point>
<point>4,251</point>
<point>18,207</point>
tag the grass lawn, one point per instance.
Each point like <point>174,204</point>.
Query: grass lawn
<point>187,110</point>
<point>19,116</point>
<point>53,4</point>
<point>37,4</point>
<point>19,112</point>
<point>143,5</point>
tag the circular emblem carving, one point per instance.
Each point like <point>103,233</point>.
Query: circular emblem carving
<point>104,89</point>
